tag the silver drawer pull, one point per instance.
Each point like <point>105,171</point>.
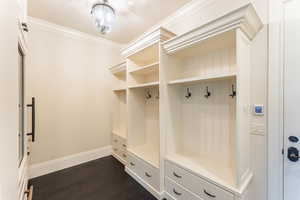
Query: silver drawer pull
<point>148,175</point>
<point>208,194</point>
<point>176,175</point>
<point>124,145</point>
<point>177,193</point>
<point>132,164</point>
<point>124,155</point>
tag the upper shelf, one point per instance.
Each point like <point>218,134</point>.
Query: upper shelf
<point>244,18</point>
<point>119,69</point>
<point>148,69</point>
<point>197,79</point>
<point>158,35</point>
<point>145,85</point>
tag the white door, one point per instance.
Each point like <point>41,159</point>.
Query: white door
<point>291,100</point>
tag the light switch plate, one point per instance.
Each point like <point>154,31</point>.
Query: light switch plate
<point>258,110</point>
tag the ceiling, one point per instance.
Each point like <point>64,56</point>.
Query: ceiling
<point>134,16</point>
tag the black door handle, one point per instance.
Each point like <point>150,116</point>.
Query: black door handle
<point>32,105</point>
<point>293,154</point>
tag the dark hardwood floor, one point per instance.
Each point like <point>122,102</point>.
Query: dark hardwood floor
<point>103,179</point>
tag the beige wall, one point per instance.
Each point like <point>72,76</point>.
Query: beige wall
<point>198,14</point>
<point>8,99</point>
<point>68,74</point>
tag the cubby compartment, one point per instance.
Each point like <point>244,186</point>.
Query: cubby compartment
<point>207,93</point>
<point>120,77</point>
<point>143,127</point>
<point>202,131</point>
<point>143,67</point>
<point>214,58</point>
<point>120,114</point>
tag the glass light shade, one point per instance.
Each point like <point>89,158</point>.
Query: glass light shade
<point>104,17</point>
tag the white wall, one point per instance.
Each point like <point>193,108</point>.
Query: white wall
<point>8,99</point>
<point>197,13</point>
<point>68,74</point>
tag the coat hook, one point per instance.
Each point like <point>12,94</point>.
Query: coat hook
<point>233,94</point>
<point>148,95</point>
<point>157,97</point>
<point>188,93</point>
<point>208,93</point>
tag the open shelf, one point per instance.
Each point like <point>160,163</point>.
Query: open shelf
<point>119,69</point>
<point>148,69</point>
<point>120,89</point>
<point>194,80</point>
<point>143,124</point>
<point>121,134</point>
<point>120,114</point>
<point>146,85</point>
<point>146,56</point>
<point>148,153</point>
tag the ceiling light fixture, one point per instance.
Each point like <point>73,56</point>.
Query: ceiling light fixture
<point>104,16</point>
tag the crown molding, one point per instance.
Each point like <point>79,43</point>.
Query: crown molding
<point>70,32</point>
<point>244,18</point>
<point>158,35</point>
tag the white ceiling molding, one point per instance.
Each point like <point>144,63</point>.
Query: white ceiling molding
<point>158,35</point>
<point>192,6</point>
<point>70,32</point>
<point>244,18</point>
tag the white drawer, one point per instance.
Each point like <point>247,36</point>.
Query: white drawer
<point>150,175</point>
<point>123,145</point>
<point>115,141</point>
<point>123,154</point>
<point>178,192</point>
<point>134,164</point>
<point>197,185</point>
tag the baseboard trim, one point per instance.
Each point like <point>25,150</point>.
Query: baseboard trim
<point>51,166</point>
<point>143,183</point>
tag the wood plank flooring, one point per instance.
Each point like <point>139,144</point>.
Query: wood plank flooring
<point>103,179</point>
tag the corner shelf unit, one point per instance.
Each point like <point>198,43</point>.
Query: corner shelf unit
<point>143,80</point>
<point>206,86</point>
<point>119,131</point>
<point>188,108</point>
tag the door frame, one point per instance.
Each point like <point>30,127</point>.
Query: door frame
<point>276,100</point>
<point>23,167</point>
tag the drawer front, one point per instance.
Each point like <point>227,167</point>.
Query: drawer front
<point>123,145</point>
<point>134,164</point>
<point>178,192</point>
<point>116,141</point>
<point>123,154</point>
<point>150,175</point>
<point>197,185</point>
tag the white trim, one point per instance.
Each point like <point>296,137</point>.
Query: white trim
<point>23,178</point>
<point>148,187</point>
<point>158,35</point>
<point>44,168</point>
<point>69,31</point>
<point>187,8</point>
<point>244,18</point>
<point>275,101</point>
<point>121,160</point>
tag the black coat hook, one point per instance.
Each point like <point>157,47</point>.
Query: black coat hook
<point>188,93</point>
<point>233,94</point>
<point>148,95</point>
<point>208,93</point>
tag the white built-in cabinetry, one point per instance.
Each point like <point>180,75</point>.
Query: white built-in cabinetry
<point>188,109</point>
<point>119,131</point>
